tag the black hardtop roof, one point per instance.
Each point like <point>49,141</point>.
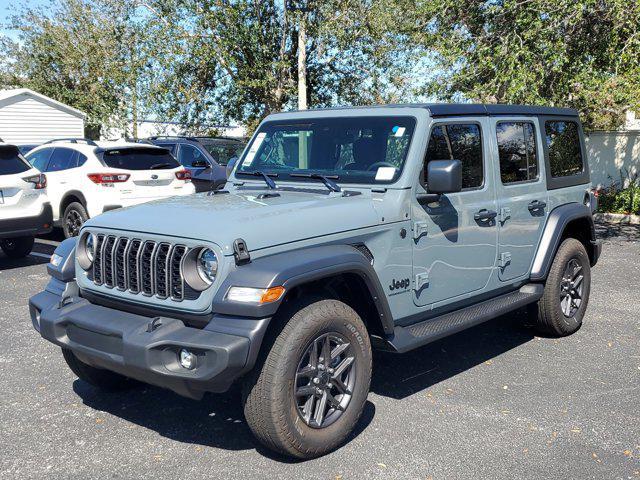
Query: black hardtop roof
<point>463,109</point>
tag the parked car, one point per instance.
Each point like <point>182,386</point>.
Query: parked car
<point>205,157</point>
<point>339,231</point>
<point>25,210</point>
<point>88,178</point>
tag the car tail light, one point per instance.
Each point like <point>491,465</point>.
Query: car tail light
<point>183,175</point>
<point>39,181</point>
<point>109,177</point>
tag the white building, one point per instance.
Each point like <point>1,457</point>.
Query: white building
<point>29,117</point>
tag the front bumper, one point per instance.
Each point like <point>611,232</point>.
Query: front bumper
<point>125,343</point>
<point>28,226</point>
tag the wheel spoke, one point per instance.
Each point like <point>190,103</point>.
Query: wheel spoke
<point>339,350</point>
<point>308,408</point>
<point>326,351</point>
<point>578,281</point>
<point>576,270</point>
<point>320,409</point>
<point>306,372</point>
<point>340,386</point>
<point>333,401</point>
<point>342,367</point>
<point>305,390</point>
<point>567,306</point>
<point>313,355</point>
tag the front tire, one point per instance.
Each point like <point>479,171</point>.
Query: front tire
<point>98,377</point>
<point>17,247</point>
<point>307,395</point>
<point>566,292</point>
<point>73,218</point>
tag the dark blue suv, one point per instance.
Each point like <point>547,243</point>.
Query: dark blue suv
<point>205,157</point>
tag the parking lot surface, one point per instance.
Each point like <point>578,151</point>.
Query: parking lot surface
<point>495,402</point>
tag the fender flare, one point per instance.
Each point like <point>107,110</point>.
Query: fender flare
<point>298,267</point>
<point>556,224</point>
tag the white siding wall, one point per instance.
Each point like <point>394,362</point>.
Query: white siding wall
<point>24,119</point>
<point>610,152</point>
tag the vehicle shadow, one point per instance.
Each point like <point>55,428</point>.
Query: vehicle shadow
<point>215,421</point>
<point>7,263</point>
<point>399,376</point>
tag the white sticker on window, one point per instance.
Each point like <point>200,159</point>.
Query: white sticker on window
<point>398,131</point>
<point>254,148</point>
<point>385,173</point>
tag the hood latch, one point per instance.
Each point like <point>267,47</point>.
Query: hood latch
<point>241,252</point>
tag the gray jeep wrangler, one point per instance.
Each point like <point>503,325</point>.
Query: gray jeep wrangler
<point>340,230</point>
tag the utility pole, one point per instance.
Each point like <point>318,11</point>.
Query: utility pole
<point>303,9</point>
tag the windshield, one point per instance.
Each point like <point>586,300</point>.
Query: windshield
<point>139,159</point>
<point>11,161</point>
<point>222,152</point>
<point>348,149</point>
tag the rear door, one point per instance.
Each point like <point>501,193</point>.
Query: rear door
<point>522,193</point>
<point>59,178</point>
<point>455,240</point>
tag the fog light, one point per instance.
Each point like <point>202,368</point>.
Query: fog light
<point>187,359</point>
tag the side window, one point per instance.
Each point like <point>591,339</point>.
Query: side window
<point>563,142</point>
<point>517,151</point>
<point>81,159</point>
<point>40,158</point>
<point>172,147</point>
<point>458,141</point>
<point>189,154</point>
<point>62,159</point>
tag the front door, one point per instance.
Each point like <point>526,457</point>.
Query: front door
<point>455,239</point>
<point>522,194</point>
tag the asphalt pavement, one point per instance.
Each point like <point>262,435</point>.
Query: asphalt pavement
<point>495,402</point>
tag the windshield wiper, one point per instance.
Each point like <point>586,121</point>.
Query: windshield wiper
<point>326,179</point>
<point>159,165</point>
<point>266,177</point>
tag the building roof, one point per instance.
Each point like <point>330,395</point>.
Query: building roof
<point>10,93</point>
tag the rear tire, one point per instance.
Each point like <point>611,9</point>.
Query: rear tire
<point>284,394</point>
<point>73,218</point>
<point>17,247</point>
<point>566,292</point>
<point>98,377</point>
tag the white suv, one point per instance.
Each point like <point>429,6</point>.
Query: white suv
<point>24,208</point>
<point>88,178</point>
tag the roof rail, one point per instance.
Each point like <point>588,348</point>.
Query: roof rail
<point>187,137</point>
<point>88,141</point>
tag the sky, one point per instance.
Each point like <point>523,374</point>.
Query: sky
<point>9,7</point>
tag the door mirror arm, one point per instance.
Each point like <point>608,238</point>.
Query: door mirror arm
<point>428,197</point>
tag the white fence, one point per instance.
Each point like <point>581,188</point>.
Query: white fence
<point>611,152</point>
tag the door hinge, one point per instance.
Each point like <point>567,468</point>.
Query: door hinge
<point>505,214</point>
<point>505,259</point>
<point>421,280</point>
<point>419,229</point>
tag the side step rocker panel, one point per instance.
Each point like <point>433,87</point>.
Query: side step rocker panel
<point>419,334</point>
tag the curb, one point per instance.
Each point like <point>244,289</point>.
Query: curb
<point>617,218</point>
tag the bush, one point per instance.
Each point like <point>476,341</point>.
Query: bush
<point>619,198</point>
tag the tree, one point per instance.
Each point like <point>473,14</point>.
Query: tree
<point>578,53</point>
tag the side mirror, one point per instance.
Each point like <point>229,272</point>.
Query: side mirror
<point>230,164</point>
<point>443,176</point>
<point>199,164</point>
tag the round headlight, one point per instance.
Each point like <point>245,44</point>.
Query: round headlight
<point>207,265</point>
<point>86,250</point>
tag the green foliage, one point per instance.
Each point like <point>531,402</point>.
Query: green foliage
<point>623,197</point>
<point>576,53</point>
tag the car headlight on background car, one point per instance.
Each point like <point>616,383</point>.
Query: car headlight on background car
<point>85,248</point>
<point>199,268</point>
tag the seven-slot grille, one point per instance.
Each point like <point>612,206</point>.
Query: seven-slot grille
<point>139,266</point>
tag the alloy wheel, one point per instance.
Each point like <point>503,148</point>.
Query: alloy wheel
<point>571,288</point>
<point>325,379</point>
<point>73,222</point>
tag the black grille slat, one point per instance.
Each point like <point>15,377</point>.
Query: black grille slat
<point>141,266</point>
<point>97,260</point>
<point>120,267</point>
<point>160,272</point>
<point>107,263</point>
<point>176,285</point>
<point>146,267</point>
<point>133,269</point>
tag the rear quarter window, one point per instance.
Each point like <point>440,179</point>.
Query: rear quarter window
<point>139,159</point>
<point>11,161</point>
<point>563,144</point>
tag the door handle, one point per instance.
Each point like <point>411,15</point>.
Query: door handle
<point>536,205</point>
<point>485,214</point>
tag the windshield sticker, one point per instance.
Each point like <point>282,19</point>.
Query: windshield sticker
<point>398,131</point>
<point>248,160</point>
<point>385,173</point>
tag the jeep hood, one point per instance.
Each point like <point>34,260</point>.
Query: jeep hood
<point>262,222</point>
